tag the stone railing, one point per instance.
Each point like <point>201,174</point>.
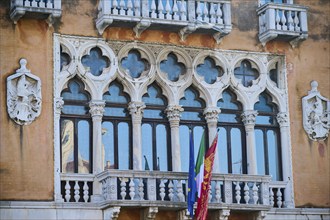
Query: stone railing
<point>276,192</point>
<point>76,187</point>
<point>282,21</point>
<point>184,16</point>
<point>49,9</point>
<point>164,189</point>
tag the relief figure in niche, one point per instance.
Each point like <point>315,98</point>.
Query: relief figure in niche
<point>23,95</point>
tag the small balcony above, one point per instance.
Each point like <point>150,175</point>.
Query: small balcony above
<point>39,9</point>
<point>286,22</point>
<point>182,16</point>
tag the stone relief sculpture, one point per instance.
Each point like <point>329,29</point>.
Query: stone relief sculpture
<point>23,95</point>
<point>316,114</point>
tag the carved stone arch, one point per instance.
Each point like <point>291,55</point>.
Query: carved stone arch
<point>242,97</point>
<point>275,98</point>
<point>166,90</point>
<point>69,49</point>
<point>107,72</point>
<point>86,86</point>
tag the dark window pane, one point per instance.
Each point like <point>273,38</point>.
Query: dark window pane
<point>195,116</point>
<point>147,153</point>
<point>246,73</point>
<point>273,75</point>
<point>115,94</point>
<point>172,67</point>
<point>260,150</point>
<point>230,118</point>
<point>95,61</point>
<point>123,146</point>
<point>191,99</point>
<point>108,145</point>
<point>161,146</point>
<point>154,96</point>
<point>134,64</point>
<point>75,110</point>
<point>150,113</point>
<point>229,101</point>
<point>113,111</point>
<point>65,59</point>
<point>265,104</point>
<point>236,151</point>
<point>67,146</point>
<point>223,151</point>
<point>184,147</point>
<point>74,92</point>
<point>273,155</point>
<point>84,165</point>
<point>209,70</point>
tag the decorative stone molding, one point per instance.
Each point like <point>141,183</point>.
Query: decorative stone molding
<point>58,105</point>
<point>261,215</point>
<point>212,114</point>
<point>221,214</point>
<point>23,95</point>
<point>111,213</point>
<point>174,114</point>
<point>316,114</point>
<point>184,215</point>
<point>149,213</point>
<point>136,110</point>
<point>283,119</point>
<point>96,108</point>
<point>249,117</point>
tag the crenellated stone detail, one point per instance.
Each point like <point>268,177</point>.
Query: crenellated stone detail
<point>249,117</point>
<point>96,108</point>
<point>173,113</point>
<point>283,119</point>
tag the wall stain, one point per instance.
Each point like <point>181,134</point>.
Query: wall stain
<point>21,141</point>
<point>321,149</point>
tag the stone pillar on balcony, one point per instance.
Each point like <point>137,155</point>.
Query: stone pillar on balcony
<point>58,105</point>
<point>136,110</point>
<point>211,116</point>
<point>249,119</point>
<point>283,120</point>
<point>96,111</point>
<point>173,114</point>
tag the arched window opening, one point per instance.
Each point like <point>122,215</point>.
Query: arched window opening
<point>246,73</point>
<point>156,142</point>
<point>116,129</point>
<point>231,148</point>
<point>76,130</point>
<point>267,136</point>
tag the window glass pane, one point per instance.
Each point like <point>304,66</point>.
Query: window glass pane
<point>95,61</point>
<point>190,116</point>
<point>134,64</point>
<point>273,155</point>
<point>236,151</point>
<point>246,73</point>
<point>123,146</point>
<point>108,151</point>
<point>147,154</point>
<point>115,94</point>
<point>260,151</point>
<point>154,96</point>
<point>172,67</point>
<point>222,150</point>
<point>228,101</point>
<point>151,113</point>
<point>265,120</point>
<point>114,111</point>
<point>264,104</point>
<point>75,110</point>
<point>74,92</point>
<point>84,165</point>
<point>184,147</point>
<point>209,70</point>
<point>161,145</point>
<point>67,144</point>
<point>230,118</point>
<point>191,99</point>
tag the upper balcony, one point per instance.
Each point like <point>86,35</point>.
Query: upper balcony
<point>40,9</point>
<point>182,16</point>
<point>286,22</point>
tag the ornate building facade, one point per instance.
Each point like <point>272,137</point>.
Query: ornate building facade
<point>100,97</point>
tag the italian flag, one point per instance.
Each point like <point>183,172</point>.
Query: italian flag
<point>199,168</point>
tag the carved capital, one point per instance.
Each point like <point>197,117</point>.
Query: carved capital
<point>261,215</point>
<point>111,213</point>
<point>58,105</point>
<point>249,117</point>
<point>184,215</point>
<point>283,119</point>
<point>212,114</point>
<point>221,214</point>
<point>150,213</point>
<point>96,108</point>
<point>136,110</point>
<point>174,114</point>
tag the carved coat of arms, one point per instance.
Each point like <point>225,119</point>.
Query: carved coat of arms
<point>23,95</point>
<point>316,114</point>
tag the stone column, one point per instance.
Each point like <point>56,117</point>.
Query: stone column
<point>96,111</point>
<point>249,120</point>
<point>173,114</point>
<point>282,119</point>
<point>211,116</point>
<point>58,105</point>
<point>136,111</point>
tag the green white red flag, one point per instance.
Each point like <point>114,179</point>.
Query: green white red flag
<point>199,168</point>
<point>203,200</point>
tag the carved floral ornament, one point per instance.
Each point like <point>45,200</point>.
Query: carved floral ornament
<point>316,114</point>
<point>23,95</point>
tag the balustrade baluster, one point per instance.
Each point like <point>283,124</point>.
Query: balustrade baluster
<point>132,188</point>
<point>255,193</point>
<point>271,197</point>
<point>183,11</point>
<point>212,14</point>
<point>86,193</point>
<point>141,189</point>
<point>246,193</point>
<point>219,14</point>
<point>76,192</point>
<point>199,11</point>
<point>170,190</point>
<point>42,4</point>
<point>115,7</point>
<point>137,8</point>
<point>122,7</point>
<point>290,21</point>
<point>122,188</point>
<point>168,10</point>
<point>176,16</point>
<point>180,191</point>
<point>162,190</point>
<point>296,21</point>
<point>277,20</point>
<point>206,13</point>
<point>153,9</point>
<point>283,21</point>
<point>129,7</point>
<point>34,3</point>
<point>217,192</point>
<point>279,197</point>
<point>67,191</point>
<point>210,194</point>
<point>161,10</point>
<point>238,193</point>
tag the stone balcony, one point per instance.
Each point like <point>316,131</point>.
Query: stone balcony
<point>286,22</point>
<point>168,190</point>
<point>39,9</point>
<point>182,16</point>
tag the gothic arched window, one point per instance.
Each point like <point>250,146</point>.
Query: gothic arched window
<point>246,73</point>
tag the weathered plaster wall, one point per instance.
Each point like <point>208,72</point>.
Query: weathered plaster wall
<point>26,153</point>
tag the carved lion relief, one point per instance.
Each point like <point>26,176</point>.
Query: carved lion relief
<point>23,95</point>
<point>316,114</point>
